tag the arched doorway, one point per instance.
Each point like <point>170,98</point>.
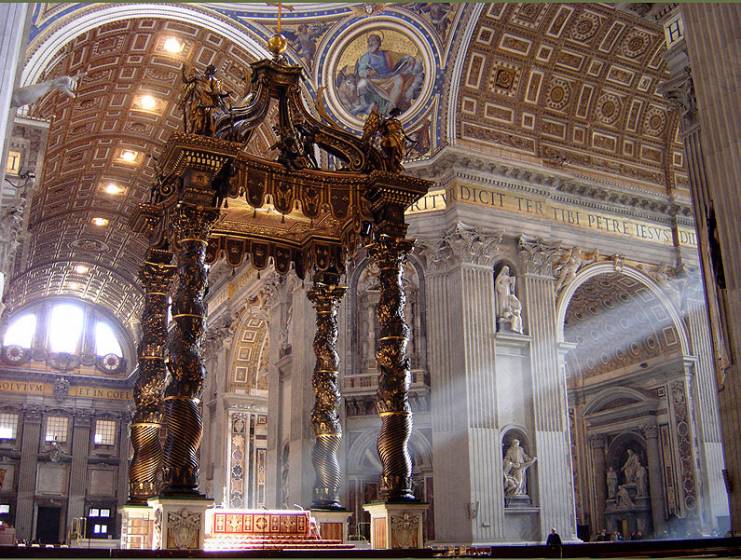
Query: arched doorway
<point>626,360</point>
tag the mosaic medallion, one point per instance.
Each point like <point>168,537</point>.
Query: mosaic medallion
<point>384,65</point>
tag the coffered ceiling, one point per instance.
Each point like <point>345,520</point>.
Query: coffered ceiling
<point>571,86</point>
<point>126,107</point>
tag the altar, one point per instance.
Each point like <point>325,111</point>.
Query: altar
<point>234,529</point>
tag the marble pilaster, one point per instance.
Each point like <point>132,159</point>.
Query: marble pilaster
<point>27,472</point>
<point>655,482</point>
<point>460,300</point>
<point>597,445</point>
<point>83,421</point>
<point>12,30</point>
<point>549,393</point>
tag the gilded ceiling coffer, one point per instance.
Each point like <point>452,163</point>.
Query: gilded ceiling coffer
<point>154,276</point>
<point>389,254</point>
<point>190,228</point>
<point>326,296</point>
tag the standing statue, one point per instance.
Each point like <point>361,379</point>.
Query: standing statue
<point>612,483</point>
<point>393,140</point>
<point>631,466</point>
<point>516,463</point>
<point>204,97</point>
<point>641,481</point>
<point>31,94</point>
<point>508,307</point>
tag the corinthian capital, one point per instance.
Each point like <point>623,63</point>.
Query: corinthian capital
<point>537,255</point>
<point>679,90</point>
<point>462,244</point>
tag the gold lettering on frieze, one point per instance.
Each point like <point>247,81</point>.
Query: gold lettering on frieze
<point>47,389</point>
<point>26,388</point>
<point>433,201</point>
<point>557,213</point>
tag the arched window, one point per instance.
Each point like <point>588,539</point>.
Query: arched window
<point>106,341</point>
<point>65,328</point>
<point>20,332</point>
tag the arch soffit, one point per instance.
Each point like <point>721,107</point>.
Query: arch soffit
<point>593,270</point>
<point>421,448</point>
<point>249,314</point>
<point>48,46</point>
<point>606,396</point>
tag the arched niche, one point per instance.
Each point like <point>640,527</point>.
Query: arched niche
<point>364,322</point>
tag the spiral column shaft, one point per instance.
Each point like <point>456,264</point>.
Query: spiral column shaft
<point>389,255</point>
<point>182,402</point>
<point>324,416</point>
<point>155,276</point>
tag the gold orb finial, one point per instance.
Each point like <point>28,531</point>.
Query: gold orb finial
<point>277,44</point>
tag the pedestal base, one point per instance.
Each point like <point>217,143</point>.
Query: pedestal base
<point>396,525</point>
<point>137,527</point>
<point>332,525</point>
<point>179,523</point>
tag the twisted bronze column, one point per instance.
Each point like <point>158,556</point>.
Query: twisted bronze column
<point>389,255</point>
<point>191,226</point>
<point>154,276</point>
<point>324,417</point>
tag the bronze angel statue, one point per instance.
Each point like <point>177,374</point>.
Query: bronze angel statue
<point>393,139</point>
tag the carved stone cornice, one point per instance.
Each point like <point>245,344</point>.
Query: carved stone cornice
<point>559,184</point>
<point>461,244</point>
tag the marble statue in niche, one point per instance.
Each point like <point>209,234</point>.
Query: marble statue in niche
<point>631,466</point>
<point>509,308</point>
<point>367,321</point>
<point>623,499</point>
<point>612,483</point>
<point>516,463</point>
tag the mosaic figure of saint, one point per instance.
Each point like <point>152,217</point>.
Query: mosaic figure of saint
<point>383,78</point>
